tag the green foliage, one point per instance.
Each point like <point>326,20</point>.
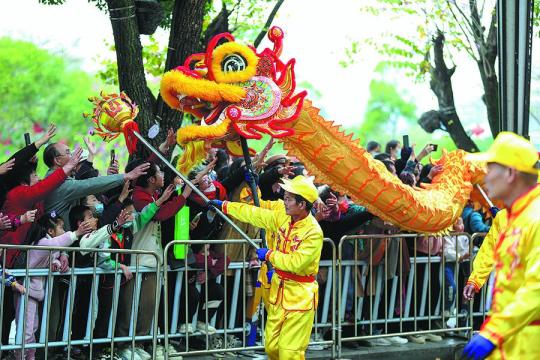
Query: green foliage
<point>410,51</point>
<point>38,88</point>
<point>153,53</point>
<point>386,108</point>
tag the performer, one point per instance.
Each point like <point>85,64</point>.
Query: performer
<point>513,323</point>
<point>295,255</point>
<point>484,260</point>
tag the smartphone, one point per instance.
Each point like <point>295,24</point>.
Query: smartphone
<point>405,141</point>
<point>113,157</point>
<point>435,146</point>
<point>27,139</point>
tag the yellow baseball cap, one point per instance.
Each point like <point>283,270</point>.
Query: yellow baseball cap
<point>302,186</point>
<point>510,150</point>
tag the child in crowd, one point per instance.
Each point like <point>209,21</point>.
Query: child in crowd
<point>456,250</point>
<point>48,231</point>
<point>128,223</point>
<point>216,265</point>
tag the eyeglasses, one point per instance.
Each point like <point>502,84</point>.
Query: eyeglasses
<point>66,153</point>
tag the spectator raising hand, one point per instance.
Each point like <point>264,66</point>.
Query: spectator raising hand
<point>7,166</point>
<point>92,151</point>
<point>170,142</point>
<point>5,222</point>
<point>138,171</point>
<point>72,162</point>
<point>125,191</point>
<point>166,194</point>
<point>51,132</point>
<point>29,216</point>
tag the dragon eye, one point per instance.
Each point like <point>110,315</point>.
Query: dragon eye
<point>233,62</point>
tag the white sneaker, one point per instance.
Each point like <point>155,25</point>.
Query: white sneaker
<point>417,339</point>
<point>433,337</point>
<point>380,342</point>
<point>142,353</point>
<point>126,354</point>
<point>205,328</point>
<point>188,329</point>
<point>173,353</point>
<point>396,340</point>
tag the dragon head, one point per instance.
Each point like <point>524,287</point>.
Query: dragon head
<point>235,91</point>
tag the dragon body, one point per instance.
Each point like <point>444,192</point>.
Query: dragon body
<point>235,92</point>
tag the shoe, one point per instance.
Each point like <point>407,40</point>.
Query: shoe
<point>316,337</point>
<point>106,355</point>
<point>142,353</point>
<point>173,353</point>
<point>380,342</point>
<point>205,328</point>
<point>433,337</point>
<point>417,339</point>
<point>188,329</point>
<point>126,354</point>
<point>232,343</point>
<point>216,342</point>
<point>397,340</point>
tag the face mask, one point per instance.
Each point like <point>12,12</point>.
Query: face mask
<point>99,209</point>
<point>127,225</point>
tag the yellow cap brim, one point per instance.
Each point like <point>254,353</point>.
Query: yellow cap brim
<point>286,185</point>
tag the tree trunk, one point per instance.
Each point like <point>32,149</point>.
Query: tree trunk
<point>441,85</point>
<point>184,39</point>
<point>131,76</point>
<point>487,50</point>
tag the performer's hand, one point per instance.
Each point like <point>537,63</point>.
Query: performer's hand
<point>249,177</point>
<point>218,204</point>
<point>468,291</point>
<point>261,253</point>
<point>478,348</point>
<point>269,275</point>
<point>494,210</point>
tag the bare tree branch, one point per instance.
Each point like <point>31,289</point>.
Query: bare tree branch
<point>470,49</point>
<point>268,23</point>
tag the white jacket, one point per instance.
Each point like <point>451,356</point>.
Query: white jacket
<point>450,247</point>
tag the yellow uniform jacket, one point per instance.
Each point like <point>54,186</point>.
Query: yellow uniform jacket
<point>515,313</point>
<point>295,252</point>
<point>485,259</point>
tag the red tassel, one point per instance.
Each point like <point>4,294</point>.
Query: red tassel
<point>131,141</point>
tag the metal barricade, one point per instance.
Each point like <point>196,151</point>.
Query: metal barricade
<point>74,273</point>
<point>178,316</point>
<point>370,277</point>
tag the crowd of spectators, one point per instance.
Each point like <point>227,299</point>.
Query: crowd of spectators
<point>75,206</point>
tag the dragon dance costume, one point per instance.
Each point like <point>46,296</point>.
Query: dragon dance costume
<point>295,253</point>
<point>513,323</point>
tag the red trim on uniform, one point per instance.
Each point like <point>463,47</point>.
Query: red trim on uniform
<point>299,278</point>
<point>473,283</point>
<point>224,207</point>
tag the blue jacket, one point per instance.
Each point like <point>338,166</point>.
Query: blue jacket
<point>473,221</point>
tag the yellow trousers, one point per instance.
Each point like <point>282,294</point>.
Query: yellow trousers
<point>287,332</point>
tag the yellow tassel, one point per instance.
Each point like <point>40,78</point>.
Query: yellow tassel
<point>194,154</point>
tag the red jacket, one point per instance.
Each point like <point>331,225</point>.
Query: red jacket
<point>23,198</point>
<point>141,198</point>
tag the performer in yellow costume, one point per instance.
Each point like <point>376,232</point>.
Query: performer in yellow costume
<point>295,255</point>
<point>513,324</point>
<point>485,259</point>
